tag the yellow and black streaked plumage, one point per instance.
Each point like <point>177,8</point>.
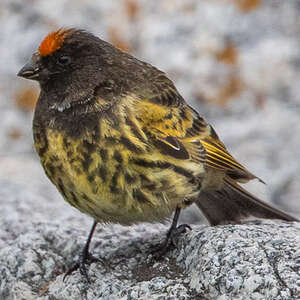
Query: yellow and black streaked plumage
<point>121,144</point>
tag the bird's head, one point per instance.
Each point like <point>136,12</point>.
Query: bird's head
<point>64,52</point>
<point>71,65</point>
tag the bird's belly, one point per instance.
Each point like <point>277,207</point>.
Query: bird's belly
<point>103,183</point>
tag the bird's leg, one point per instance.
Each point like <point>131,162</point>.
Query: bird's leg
<point>84,257</point>
<point>172,233</point>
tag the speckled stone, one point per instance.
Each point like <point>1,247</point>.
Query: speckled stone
<point>251,261</point>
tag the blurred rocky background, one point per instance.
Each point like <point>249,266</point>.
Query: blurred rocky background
<point>236,61</point>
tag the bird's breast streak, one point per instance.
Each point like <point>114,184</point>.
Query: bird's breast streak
<point>113,178</point>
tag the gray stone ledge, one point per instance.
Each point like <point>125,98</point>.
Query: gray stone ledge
<point>251,261</point>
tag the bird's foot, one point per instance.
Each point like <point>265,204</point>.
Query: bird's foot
<point>170,241</point>
<point>85,258</point>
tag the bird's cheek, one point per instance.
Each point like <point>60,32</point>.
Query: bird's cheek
<point>45,74</point>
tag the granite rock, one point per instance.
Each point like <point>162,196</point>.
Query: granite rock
<point>258,260</point>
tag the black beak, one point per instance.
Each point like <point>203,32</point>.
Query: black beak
<point>29,71</point>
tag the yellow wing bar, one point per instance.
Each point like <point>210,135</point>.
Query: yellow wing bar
<point>218,157</point>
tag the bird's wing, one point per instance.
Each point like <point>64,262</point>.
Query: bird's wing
<point>180,132</point>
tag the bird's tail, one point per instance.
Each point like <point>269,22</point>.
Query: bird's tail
<point>232,203</point>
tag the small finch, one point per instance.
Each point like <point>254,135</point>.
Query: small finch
<point>122,145</point>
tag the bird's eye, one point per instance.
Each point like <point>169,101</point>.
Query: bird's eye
<point>64,60</point>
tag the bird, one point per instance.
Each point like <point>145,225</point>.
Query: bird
<point>122,145</point>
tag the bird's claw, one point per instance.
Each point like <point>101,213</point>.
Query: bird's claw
<point>170,241</point>
<point>84,259</point>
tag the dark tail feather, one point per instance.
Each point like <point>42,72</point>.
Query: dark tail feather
<point>232,203</point>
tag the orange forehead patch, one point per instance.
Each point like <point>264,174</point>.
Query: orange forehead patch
<point>53,41</point>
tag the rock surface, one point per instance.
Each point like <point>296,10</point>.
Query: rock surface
<point>250,261</point>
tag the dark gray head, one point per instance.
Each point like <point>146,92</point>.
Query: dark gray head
<point>71,65</point>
